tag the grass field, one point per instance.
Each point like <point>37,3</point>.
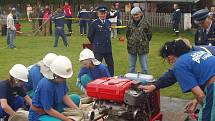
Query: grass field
<point>31,49</point>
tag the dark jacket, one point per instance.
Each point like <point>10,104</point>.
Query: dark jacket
<point>59,19</point>
<point>99,36</point>
<point>176,16</point>
<point>202,37</point>
<point>138,36</point>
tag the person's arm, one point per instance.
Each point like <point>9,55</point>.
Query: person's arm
<point>198,93</point>
<point>55,113</point>
<point>28,100</point>
<point>67,100</point>
<point>6,107</point>
<point>166,80</point>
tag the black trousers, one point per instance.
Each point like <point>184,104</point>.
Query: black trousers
<point>108,59</point>
<point>4,30</point>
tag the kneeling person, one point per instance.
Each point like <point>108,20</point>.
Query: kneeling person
<point>51,94</point>
<point>92,69</point>
<point>12,91</point>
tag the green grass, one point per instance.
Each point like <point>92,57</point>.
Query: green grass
<point>31,49</point>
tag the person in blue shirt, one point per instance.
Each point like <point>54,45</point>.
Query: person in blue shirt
<point>92,69</point>
<point>38,71</point>
<point>58,19</point>
<point>195,72</point>
<point>12,94</point>
<point>51,94</point>
<point>83,14</point>
<point>99,36</point>
<point>168,78</point>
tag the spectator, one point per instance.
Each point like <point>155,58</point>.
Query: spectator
<point>138,35</point>
<point>118,14</point>
<point>58,19</point>
<point>3,23</point>
<point>35,22</point>
<point>113,22</point>
<point>46,21</point>
<point>83,15</point>
<point>207,24</point>
<point>176,18</point>
<point>11,29</point>
<point>29,11</point>
<point>99,36</point>
<point>212,12</point>
<point>68,10</point>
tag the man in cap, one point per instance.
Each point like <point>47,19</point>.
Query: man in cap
<point>99,36</point>
<point>176,17</point>
<point>138,35</point>
<point>205,21</point>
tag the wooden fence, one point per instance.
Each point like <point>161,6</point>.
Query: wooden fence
<point>156,20</point>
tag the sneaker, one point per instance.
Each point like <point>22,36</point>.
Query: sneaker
<point>81,34</point>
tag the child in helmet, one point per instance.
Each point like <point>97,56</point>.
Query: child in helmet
<point>12,94</point>
<point>92,69</point>
<point>51,94</point>
<point>38,71</point>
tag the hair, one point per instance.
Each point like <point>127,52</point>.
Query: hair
<point>12,81</point>
<point>175,47</point>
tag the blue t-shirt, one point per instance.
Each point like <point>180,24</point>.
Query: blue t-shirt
<point>34,77</point>
<point>48,94</point>
<point>194,69</point>
<point>98,71</point>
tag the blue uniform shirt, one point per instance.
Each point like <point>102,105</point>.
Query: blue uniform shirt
<point>168,78</point>
<point>96,72</point>
<point>99,36</point>
<point>34,77</point>
<point>59,19</point>
<point>10,93</point>
<point>48,94</point>
<point>194,69</point>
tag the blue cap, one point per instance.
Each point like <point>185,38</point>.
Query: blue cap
<point>102,8</point>
<point>200,15</point>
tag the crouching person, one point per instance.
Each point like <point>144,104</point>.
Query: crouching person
<point>91,69</point>
<point>12,94</point>
<point>51,94</point>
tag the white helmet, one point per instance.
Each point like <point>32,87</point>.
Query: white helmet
<point>88,54</point>
<point>62,67</point>
<point>19,72</point>
<point>47,60</point>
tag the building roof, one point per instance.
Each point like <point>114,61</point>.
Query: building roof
<point>189,1</point>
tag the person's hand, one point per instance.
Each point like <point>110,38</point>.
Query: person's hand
<point>147,88</point>
<point>191,106</point>
<point>69,119</point>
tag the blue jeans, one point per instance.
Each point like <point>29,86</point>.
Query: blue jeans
<point>60,32</point>
<point>10,38</point>
<point>133,60</point>
<point>17,103</point>
<point>83,26</point>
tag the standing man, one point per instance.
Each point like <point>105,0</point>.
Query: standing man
<point>205,21</point>
<point>58,19</point>
<point>99,36</point>
<point>69,13</point>
<point>11,29</point>
<point>138,35</point>
<point>176,17</point>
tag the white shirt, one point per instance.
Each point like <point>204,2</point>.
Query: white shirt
<point>10,22</point>
<point>113,20</point>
